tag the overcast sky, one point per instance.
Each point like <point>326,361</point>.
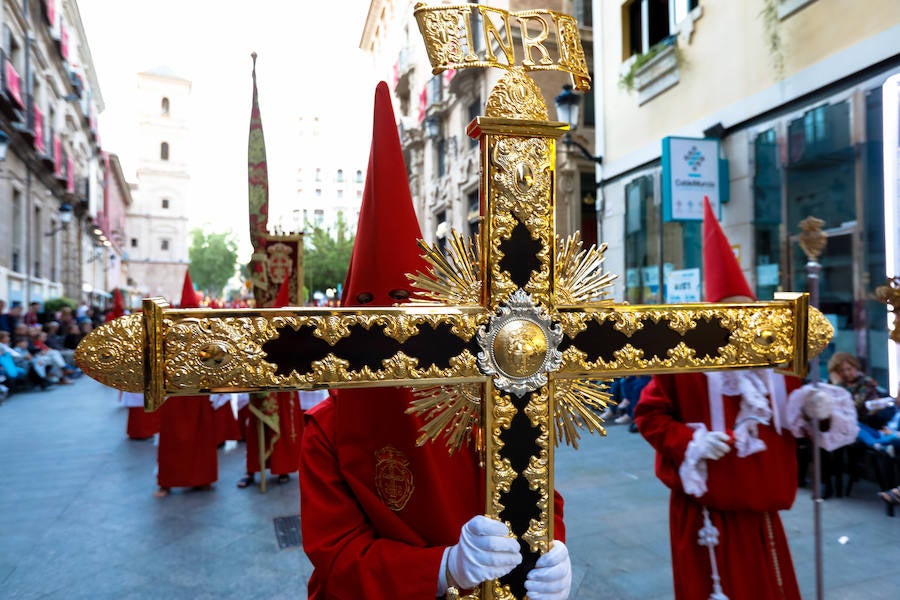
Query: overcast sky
<point>309,65</point>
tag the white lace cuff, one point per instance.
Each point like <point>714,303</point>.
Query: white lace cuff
<point>844,426</point>
<point>693,468</point>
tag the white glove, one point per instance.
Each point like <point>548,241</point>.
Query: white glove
<point>711,445</point>
<point>551,577</point>
<point>817,405</point>
<point>485,551</point>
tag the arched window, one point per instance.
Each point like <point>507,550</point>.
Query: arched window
<point>164,151</point>
<point>340,175</point>
<point>358,176</point>
<point>164,105</point>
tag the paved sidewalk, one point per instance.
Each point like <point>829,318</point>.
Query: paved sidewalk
<point>78,519</point>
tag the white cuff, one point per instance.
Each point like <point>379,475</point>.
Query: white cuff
<point>693,468</point>
<point>442,574</point>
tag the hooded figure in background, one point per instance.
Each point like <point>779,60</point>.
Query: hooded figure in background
<point>382,517</point>
<point>725,446</point>
<point>187,454</point>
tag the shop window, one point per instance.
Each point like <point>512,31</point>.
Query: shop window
<point>657,251</point>
<point>767,217</point>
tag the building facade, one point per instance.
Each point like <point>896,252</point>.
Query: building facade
<point>790,92</point>
<point>52,171</point>
<point>328,186</point>
<point>433,112</point>
<point>156,231</point>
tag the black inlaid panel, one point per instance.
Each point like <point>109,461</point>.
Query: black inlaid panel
<point>603,340</point>
<point>520,255</point>
<point>296,350</point>
<point>519,445</point>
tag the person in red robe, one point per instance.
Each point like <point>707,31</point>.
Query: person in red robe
<point>284,450</point>
<point>725,446</point>
<point>382,517</point>
<point>187,453</point>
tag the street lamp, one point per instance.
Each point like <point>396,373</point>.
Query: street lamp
<point>432,128</point>
<point>568,110</point>
<point>65,217</point>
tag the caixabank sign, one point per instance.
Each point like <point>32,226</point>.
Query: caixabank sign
<point>691,169</point>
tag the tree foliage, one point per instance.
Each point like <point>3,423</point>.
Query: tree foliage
<point>326,255</point>
<point>213,259</point>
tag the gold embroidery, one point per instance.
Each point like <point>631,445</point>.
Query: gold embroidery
<point>393,478</point>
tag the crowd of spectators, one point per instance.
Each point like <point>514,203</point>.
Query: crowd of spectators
<point>37,347</point>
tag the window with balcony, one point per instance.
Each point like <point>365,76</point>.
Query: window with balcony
<point>164,151</point>
<point>650,31</point>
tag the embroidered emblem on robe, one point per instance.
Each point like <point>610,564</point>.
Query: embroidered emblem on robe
<point>393,478</point>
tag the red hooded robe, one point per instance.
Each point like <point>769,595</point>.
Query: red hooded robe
<point>377,510</point>
<point>744,494</point>
<point>187,454</point>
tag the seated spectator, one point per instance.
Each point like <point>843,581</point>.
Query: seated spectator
<point>626,391</point>
<point>15,376</point>
<point>22,359</point>
<point>9,320</point>
<point>49,363</point>
<point>886,439</point>
<point>33,316</point>
<point>66,317</point>
<point>846,371</point>
<point>54,338</point>
<point>73,336</point>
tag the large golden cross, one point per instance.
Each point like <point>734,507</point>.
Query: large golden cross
<point>512,331</point>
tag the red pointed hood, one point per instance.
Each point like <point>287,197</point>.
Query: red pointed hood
<point>188,295</point>
<point>385,248</point>
<point>284,293</point>
<point>118,307</point>
<point>722,273</point>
